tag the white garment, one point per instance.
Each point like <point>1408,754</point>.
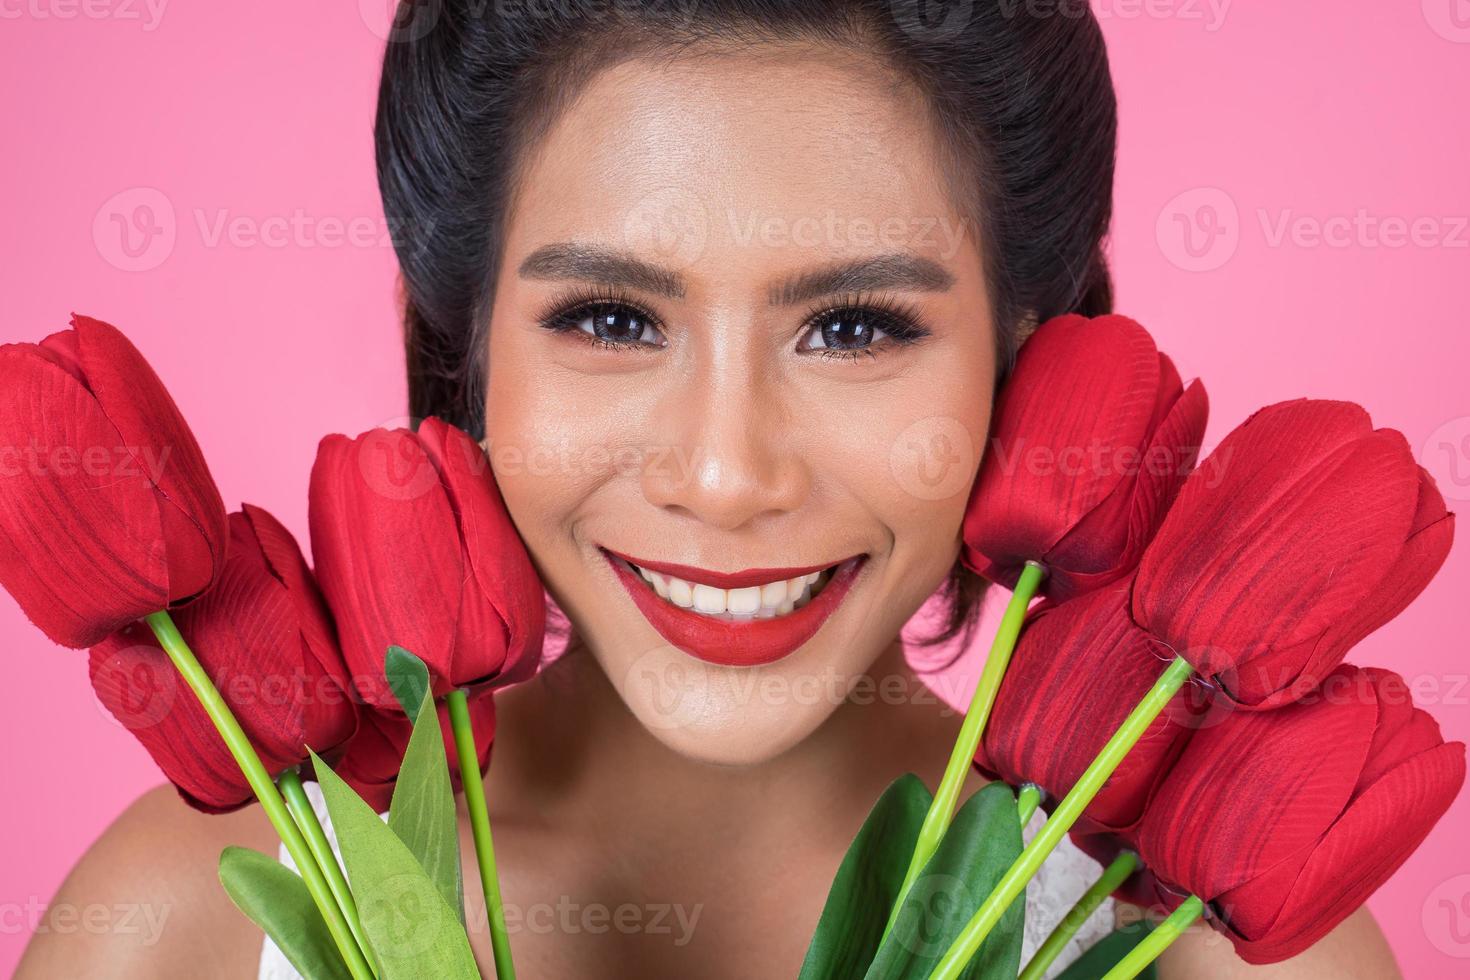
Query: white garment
<point>1067,873</point>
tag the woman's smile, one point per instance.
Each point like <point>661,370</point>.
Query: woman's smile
<point>743,618</point>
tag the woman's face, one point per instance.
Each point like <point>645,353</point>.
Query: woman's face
<point>740,340</point>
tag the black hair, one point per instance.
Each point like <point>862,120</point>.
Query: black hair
<point>1019,92</point>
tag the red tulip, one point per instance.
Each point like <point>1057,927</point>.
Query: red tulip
<point>414,547</point>
<point>1079,668</point>
<point>370,762</point>
<point>1277,555</point>
<point>1287,820</point>
<point>107,510</point>
<point>263,635</point>
<point>1271,681</point>
<point>1092,437</point>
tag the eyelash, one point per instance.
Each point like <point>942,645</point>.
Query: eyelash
<point>565,312</point>
<point>901,321</point>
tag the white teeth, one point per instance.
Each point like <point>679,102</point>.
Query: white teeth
<point>743,602</point>
<point>750,602</point>
<point>708,599</point>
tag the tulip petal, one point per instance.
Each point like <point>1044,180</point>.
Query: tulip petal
<point>1286,675</point>
<point>1162,468</point>
<point>1362,850</point>
<point>507,643</point>
<point>81,546</point>
<point>1293,520</point>
<point>388,554</point>
<point>1081,387</point>
<point>1080,667</point>
<point>162,445</point>
<point>135,680</point>
<point>328,721</point>
<point>282,555</point>
<point>1254,791</point>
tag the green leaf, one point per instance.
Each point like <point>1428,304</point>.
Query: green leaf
<point>422,813</point>
<point>867,884</point>
<point>412,931</point>
<point>408,678</point>
<point>978,848</point>
<point>1103,955</point>
<point>276,899</point>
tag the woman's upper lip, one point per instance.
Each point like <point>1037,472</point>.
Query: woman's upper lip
<point>726,580</point>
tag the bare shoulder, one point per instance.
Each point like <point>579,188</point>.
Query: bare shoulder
<point>1355,950</point>
<point>145,900</point>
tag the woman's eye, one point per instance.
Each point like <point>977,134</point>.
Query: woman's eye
<point>845,330</point>
<point>612,323</point>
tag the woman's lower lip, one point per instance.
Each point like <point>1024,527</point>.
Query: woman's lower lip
<point>737,643</point>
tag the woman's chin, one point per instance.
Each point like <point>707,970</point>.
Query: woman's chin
<point>727,716</point>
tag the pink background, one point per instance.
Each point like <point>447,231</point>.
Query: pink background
<point>1250,126</point>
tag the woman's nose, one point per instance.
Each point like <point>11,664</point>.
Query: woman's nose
<point>728,459</point>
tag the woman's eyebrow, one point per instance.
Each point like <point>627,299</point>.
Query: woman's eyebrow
<point>610,267</point>
<point>896,270</point>
<point>605,266</point>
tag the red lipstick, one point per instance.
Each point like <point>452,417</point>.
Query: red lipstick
<point>734,643</point>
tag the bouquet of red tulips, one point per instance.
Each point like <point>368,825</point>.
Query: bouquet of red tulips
<point>1177,700</point>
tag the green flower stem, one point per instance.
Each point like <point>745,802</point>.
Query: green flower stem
<point>1027,800</point>
<point>1013,882</point>
<point>947,796</point>
<point>1157,941</point>
<point>1113,875</point>
<point>260,782</point>
<point>474,798</point>
<point>301,809</point>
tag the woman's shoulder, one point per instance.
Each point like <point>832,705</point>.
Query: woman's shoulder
<point>145,900</point>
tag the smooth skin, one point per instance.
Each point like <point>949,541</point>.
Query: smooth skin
<point>656,815</point>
